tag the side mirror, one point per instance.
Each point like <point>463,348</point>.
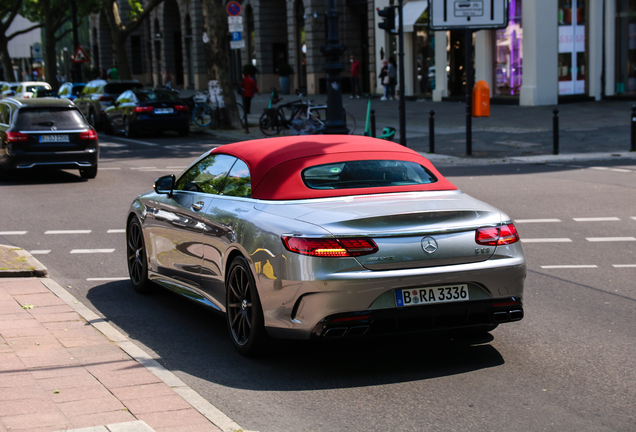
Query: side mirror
<point>165,185</point>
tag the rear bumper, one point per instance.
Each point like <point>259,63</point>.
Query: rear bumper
<point>471,314</point>
<point>60,160</point>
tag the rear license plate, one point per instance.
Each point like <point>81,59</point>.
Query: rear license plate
<point>164,110</point>
<point>53,138</point>
<point>442,294</point>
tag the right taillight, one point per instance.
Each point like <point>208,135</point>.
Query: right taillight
<point>330,247</point>
<point>497,236</point>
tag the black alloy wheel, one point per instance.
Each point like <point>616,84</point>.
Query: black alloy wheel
<point>128,131</point>
<point>244,313</point>
<point>92,120</point>
<point>137,258</point>
<point>88,173</point>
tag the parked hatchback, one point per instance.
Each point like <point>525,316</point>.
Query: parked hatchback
<point>46,133</point>
<point>26,89</point>
<point>99,95</point>
<point>147,110</point>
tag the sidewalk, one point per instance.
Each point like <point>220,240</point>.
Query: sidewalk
<point>601,127</point>
<point>62,368</point>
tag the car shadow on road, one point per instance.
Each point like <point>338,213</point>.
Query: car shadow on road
<point>192,339</point>
<point>40,176</point>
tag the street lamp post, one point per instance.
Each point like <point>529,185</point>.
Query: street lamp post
<point>335,123</point>
<point>77,69</point>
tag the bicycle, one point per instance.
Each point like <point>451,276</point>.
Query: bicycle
<point>202,113</point>
<point>274,120</point>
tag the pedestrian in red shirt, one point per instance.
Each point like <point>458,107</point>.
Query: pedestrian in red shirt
<point>248,87</point>
<point>356,66</point>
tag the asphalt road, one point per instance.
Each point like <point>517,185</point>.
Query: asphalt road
<point>569,365</point>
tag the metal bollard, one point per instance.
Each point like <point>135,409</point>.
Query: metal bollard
<point>431,132</point>
<point>555,132</point>
<point>633,146</point>
<point>373,123</point>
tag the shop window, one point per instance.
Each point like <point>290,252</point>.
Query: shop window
<point>572,55</point>
<point>509,53</point>
<point>626,46</point>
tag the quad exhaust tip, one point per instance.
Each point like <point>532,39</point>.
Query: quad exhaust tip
<point>507,316</point>
<point>338,332</point>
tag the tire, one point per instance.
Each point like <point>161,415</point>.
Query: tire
<point>108,127</point>
<point>202,115</point>
<point>244,312</point>
<point>137,258</point>
<point>92,119</point>
<point>184,132</point>
<point>128,131</point>
<point>89,173</point>
<point>267,126</point>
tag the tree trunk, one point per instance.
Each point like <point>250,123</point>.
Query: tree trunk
<point>50,55</point>
<point>7,65</point>
<point>217,63</point>
<point>119,53</point>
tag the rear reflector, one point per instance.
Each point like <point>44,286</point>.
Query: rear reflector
<point>88,135</point>
<point>16,137</point>
<point>330,247</point>
<point>497,236</point>
<point>143,109</point>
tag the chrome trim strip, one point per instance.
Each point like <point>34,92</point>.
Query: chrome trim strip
<point>51,132</point>
<point>184,290</point>
<point>79,164</point>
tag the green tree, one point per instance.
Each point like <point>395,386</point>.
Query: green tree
<point>52,15</point>
<point>217,62</point>
<point>9,9</point>
<point>120,29</point>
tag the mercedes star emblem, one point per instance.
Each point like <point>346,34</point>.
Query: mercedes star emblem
<point>429,245</point>
<point>53,128</point>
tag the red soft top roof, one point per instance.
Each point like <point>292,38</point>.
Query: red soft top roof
<point>276,164</point>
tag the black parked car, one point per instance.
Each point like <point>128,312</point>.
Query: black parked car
<point>99,95</point>
<point>46,133</point>
<point>140,110</point>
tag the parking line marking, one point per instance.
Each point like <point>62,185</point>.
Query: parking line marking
<point>68,232</point>
<point>597,219</point>
<point>620,170</point>
<point>108,168</point>
<point>536,220</point>
<point>138,142</point>
<point>12,233</point>
<point>177,167</point>
<point>115,231</point>
<point>568,266</point>
<point>108,279</point>
<point>624,265</point>
<point>91,251</point>
<point>143,168</point>
<point>634,217</point>
<point>599,168</point>
<point>610,239</point>
<point>546,240</point>
<point>40,252</point>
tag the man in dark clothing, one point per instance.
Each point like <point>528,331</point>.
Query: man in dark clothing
<point>249,86</point>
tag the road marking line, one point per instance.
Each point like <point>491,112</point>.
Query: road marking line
<point>568,266</point>
<point>546,240</point>
<point>39,252</point>
<point>108,168</point>
<point>177,167</point>
<point>138,142</point>
<point>634,217</point>
<point>115,231</point>
<point>624,265</point>
<point>596,219</point>
<point>108,279</point>
<point>68,232</point>
<point>91,251</point>
<point>600,168</point>
<point>620,170</point>
<point>536,220</point>
<point>143,168</point>
<point>610,239</point>
<point>12,233</point>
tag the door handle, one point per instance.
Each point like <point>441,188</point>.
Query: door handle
<point>197,205</point>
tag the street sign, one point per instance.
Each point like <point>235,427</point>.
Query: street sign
<point>237,44</point>
<point>80,56</point>
<point>236,36</point>
<point>233,8</point>
<point>468,14</point>
<point>36,53</point>
<point>235,20</point>
<point>236,28</point>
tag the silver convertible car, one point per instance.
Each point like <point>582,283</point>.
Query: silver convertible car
<point>326,237</point>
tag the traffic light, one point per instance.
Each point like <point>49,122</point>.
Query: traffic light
<point>388,14</point>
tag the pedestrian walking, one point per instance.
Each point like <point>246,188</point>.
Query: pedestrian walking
<point>392,70</point>
<point>249,86</point>
<point>167,80</point>
<point>356,66</point>
<point>112,73</point>
<point>384,78</point>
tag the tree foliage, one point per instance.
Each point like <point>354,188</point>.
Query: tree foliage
<point>9,9</point>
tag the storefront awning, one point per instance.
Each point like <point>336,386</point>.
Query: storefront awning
<point>412,12</point>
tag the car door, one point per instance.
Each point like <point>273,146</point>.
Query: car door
<point>176,224</point>
<point>84,97</point>
<point>116,110</point>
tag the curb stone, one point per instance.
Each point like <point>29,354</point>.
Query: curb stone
<point>29,266</point>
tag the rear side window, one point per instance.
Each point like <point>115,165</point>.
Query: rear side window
<point>32,88</point>
<point>33,119</point>
<point>366,174</point>
<point>117,88</point>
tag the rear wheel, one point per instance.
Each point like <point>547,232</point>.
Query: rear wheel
<point>202,115</point>
<point>128,130</point>
<point>108,128</point>
<point>270,124</point>
<point>137,257</point>
<point>92,119</point>
<point>244,313</point>
<point>89,173</point>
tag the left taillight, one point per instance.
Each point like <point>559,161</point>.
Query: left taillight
<point>88,135</point>
<point>330,247</point>
<point>497,236</point>
<point>181,108</point>
<point>16,137</point>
